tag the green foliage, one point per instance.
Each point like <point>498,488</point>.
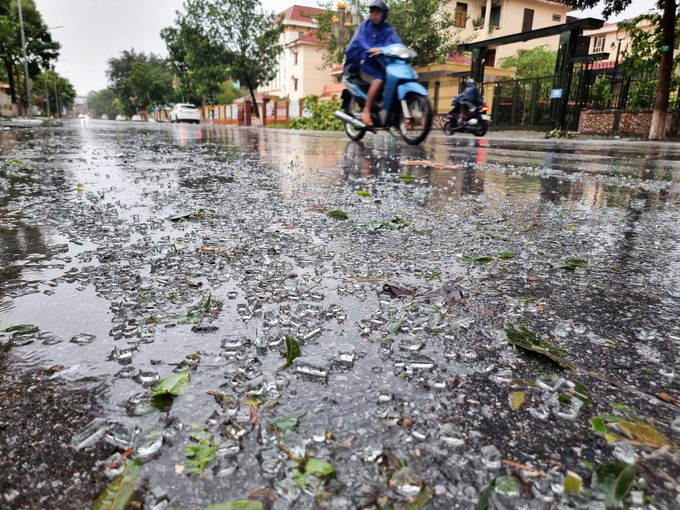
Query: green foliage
<point>322,118</point>
<point>432,41</point>
<point>67,93</point>
<point>200,454</point>
<point>534,63</point>
<point>227,93</point>
<point>119,493</point>
<point>600,93</point>
<point>559,133</point>
<point>102,102</point>
<point>641,94</point>
<point>641,50</point>
<point>39,44</point>
<point>138,80</point>
<point>247,40</point>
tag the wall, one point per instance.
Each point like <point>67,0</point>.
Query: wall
<point>624,122</point>
<point>311,79</point>
<point>512,17</point>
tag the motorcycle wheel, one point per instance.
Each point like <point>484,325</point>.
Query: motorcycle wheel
<point>355,134</point>
<point>447,129</point>
<point>415,130</point>
<point>482,129</point>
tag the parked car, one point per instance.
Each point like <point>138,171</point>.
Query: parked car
<point>136,118</point>
<point>185,112</point>
<point>120,116</point>
<point>105,117</point>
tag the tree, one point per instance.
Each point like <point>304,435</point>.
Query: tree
<point>534,63</point>
<point>227,93</point>
<point>241,34</point>
<point>138,80</point>
<point>102,102</point>
<point>657,130</point>
<point>67,92</point>
<point>40,47</point>
<point>432,40</point>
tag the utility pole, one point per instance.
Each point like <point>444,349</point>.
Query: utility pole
<point>56,92</point>
<point>47,91</point>
<point>23,46</point>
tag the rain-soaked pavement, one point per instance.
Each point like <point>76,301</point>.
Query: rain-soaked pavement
<point>134,253</point>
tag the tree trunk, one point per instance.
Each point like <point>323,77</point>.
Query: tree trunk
<point>657,131</point>
<point>12,86</point>
<point>252,95</point>
<point>20,101</point>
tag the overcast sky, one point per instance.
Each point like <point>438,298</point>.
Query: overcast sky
<point>94,30</point>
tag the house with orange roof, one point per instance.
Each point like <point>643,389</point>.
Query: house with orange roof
<point>300,64</point>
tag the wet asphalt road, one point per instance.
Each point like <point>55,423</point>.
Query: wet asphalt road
<point>132,253</point>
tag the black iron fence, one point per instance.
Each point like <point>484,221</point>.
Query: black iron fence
<point>526,102</point>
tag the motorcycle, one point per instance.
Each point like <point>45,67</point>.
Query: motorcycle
<point>404,107</point>
<point>467,118</point>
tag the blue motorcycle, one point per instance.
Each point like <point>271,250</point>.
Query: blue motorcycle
<point>404,106</point>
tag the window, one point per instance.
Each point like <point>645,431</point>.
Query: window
<point>295,58</point>
<point>528,22</point>
<point>461,14</point>
<point>295,81</point>
<point>598,46</point>
<point>301,33</point>
<point>490,58</point>
<point>495,20</point>
<point>557,17</point>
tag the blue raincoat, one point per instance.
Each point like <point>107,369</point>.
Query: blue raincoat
<point>366,37</point>
<point>470,95</point>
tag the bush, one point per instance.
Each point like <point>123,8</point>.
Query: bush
<point>641,95</point>
<point>600,94</point>
<point>322,118</point>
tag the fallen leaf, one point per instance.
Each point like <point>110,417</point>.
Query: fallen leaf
<point>347,443</point>
<point>292,351</point>
<point>289,422</point>
<point>517,399</point>
<point>667,398</point>
<point>522,337</point>
<point>341,215</point>
<point>174,385</point>
<point>80,187</point>
<point>643,433</point>
<point>179,469</point>
<point>615,479</point>
<point>119,492</point>
<point>420,500</point>
<point>572,483</point>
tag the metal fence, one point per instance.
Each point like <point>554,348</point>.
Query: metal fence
<point>526,102</point>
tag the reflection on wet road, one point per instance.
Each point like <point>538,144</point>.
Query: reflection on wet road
<point>134,253</point>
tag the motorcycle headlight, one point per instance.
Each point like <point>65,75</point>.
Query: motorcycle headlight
<point>404,53</point>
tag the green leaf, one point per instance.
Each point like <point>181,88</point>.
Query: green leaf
<point>178,245</point>
<point>506,255</point>
<point>587,464</point>
<point>485,496</point>
<point>615,479</point>
<point>241,504</point>
<point>22,329</point>
<point>289,422</point>
<point>598,425</point>
<point>582,392</point>
<point>362,193</point>
<point>571,264</point>
<point>619,407</point>
<point>526,299</point>
<point>318,467</point>
<point>407,177</point>
<point>174,385</point>
<point>482,259</point>
<point>118,494</point>
<point>522,337</point>
<point>420,501</point>
<point>341,215</point>
<point>610,418</point>
<point>572,484</point>
<point>201,454</point>
<point>292,351</point>
<point>394,325</point>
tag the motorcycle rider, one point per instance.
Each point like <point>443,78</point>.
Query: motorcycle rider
<point>371,34</point>
<point>470,96</point>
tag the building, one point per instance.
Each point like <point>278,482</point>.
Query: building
<point>299,72</point>
<point>610,39</point>
<point>488,19</point>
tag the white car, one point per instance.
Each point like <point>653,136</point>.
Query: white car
<point>120,116</point>
<point>185,113</point>
<point>105,117</point>
<point>136,118</point>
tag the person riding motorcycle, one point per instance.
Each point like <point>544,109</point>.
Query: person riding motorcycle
<point>469,97</point>
<point>372,34</point>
